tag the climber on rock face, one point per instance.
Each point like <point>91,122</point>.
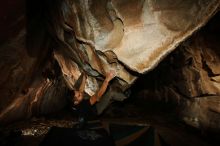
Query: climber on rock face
<point>84,106</point>
<point>78,94</point>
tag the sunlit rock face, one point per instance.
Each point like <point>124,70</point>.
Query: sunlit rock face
<point>61,39</point>
<point>140,33</point>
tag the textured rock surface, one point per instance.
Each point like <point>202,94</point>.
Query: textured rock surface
<point>131,37</point>
<point>189,77</point>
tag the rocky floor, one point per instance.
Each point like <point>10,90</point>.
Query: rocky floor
<point>158,116</point>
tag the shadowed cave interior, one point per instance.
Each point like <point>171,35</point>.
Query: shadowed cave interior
<point>174,104</point>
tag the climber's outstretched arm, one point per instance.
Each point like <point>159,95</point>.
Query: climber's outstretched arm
<point>96,97</point>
